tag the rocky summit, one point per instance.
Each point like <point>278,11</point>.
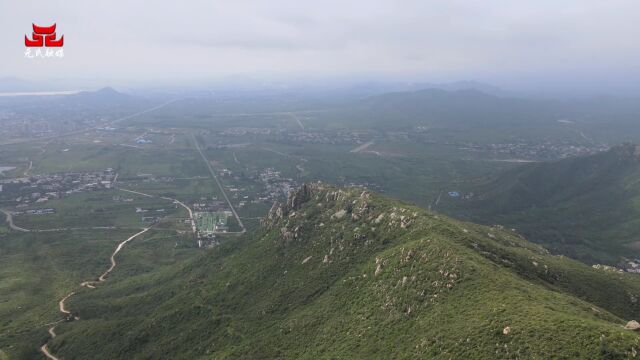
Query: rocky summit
<point>347,273</point>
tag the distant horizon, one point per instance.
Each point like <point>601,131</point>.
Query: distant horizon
<point>15,86</point>
<point>571,47</point>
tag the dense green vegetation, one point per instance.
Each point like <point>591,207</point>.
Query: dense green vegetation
<point>342,273</point>
<point>586,207</point>
<point>335,273</point>
<point>38,269</point>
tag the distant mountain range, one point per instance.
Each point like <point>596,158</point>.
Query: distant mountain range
<point>344,273</point>
<point>103,98</point>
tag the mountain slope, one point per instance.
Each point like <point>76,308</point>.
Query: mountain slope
<point>343,273</point>
<point>586,207</point>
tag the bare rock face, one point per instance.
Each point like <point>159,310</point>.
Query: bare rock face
<point>276,213</point>
<point>378,267</point>
<point>339,214</point>
<point>300,196</point>
<point>294,202</point>
<point>632,325</point>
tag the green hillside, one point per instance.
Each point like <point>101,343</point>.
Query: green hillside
<point>586,207</point>
<point>343,273</point>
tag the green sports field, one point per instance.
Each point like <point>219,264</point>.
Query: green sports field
<point>206,221</point>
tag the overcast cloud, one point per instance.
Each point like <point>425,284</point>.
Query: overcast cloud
<point>542,41</point>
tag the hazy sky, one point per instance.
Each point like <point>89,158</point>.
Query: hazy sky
<point>537,42</point>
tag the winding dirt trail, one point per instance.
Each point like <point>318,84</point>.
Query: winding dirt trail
<point>46,352</point>
<point>61,304</point>
<point>103,277</point>
<point>52,330</point>
<point>89,284</point>
<point>113,260</point>
<point>9,220</point>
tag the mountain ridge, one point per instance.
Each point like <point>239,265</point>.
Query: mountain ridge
<point>584,207</point>
<point>348,273</point>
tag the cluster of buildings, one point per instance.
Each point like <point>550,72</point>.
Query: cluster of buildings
<point>625,265</point>
<point>340,137</point>
<point>39,189</point>
<point>209,219</point>
<point>336,137</point>
<point>275,186</point>
<point>45,211</point>
<point>632,266</point>
<point>536,151</point>
<point>209,205</point>
<point>25,123</point>
<point>242,131</point>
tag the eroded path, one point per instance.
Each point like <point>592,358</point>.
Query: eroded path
<point>46,352</point>
<point>113,256</point>
<point>13,226</point>
<point>103,276</point>
<point>89,284</point>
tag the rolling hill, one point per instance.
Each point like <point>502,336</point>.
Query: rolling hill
<point>474,114</point>
<point>345,273</point>
<point>586,207</point>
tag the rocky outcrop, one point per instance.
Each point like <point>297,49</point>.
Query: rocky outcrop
<point>295,201</point>
<point>301,195</point>
<point>275,213</point>
<point>632,325</point>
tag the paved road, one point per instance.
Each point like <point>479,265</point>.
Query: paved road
<point>215,177</point>
<point>193,222</point>
<point>135,192</point>
<point>15,227</point>
<point>297,119</point>
<point>362,147</point>
<point>176,201</point>
<point>26,173</point>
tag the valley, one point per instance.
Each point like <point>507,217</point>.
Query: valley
<point>318,180</point>
<point>230,229</point>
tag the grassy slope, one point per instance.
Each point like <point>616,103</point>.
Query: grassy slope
<point>444,289</point>
<point>37,270</point>
<point>584,207</point>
